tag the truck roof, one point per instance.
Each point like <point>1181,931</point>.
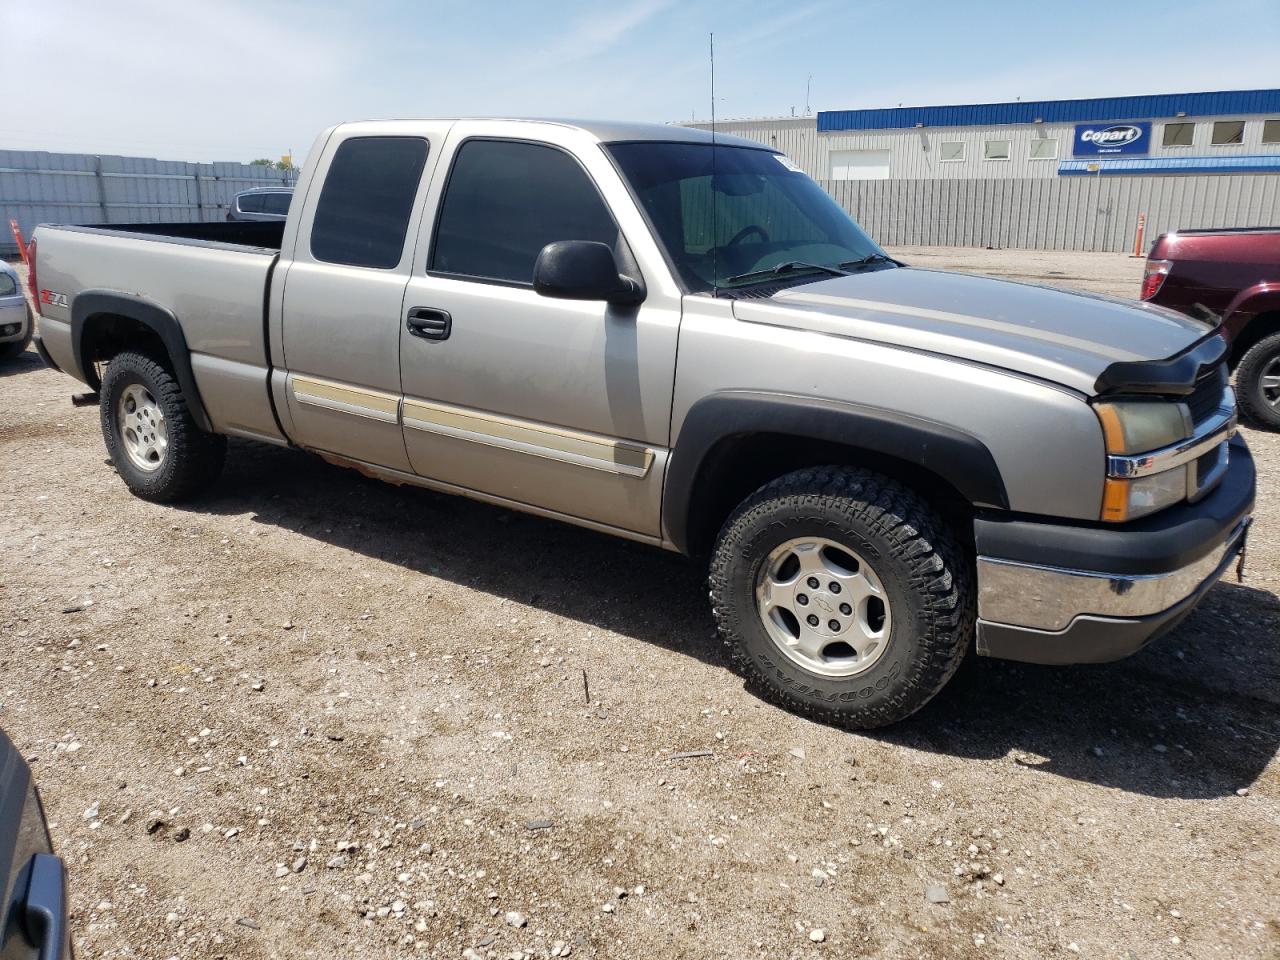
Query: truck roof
<point>608,131</point>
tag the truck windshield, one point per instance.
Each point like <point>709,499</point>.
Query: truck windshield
<point>759,220</point>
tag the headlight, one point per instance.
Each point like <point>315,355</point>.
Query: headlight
<point>1135,427</point>
<point>1129,499</point>
<point>1138,426</point>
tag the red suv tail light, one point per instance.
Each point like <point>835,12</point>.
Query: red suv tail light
<point>1153,277</point>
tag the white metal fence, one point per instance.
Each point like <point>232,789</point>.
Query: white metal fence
<point>39,187</point>
<point>1064,213</point>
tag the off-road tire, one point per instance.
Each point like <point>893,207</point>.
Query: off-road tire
<point>1249,371</point>
<point>927,576</point>
<point>193,459</point>
<point>14,348</point>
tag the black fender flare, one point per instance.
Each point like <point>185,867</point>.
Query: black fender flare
<point>160,320</point>
<point>958,458</point>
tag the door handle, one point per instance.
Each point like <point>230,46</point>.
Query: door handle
<point>429,323</point>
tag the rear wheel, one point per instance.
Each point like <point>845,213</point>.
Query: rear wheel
<point>842,595</point>
<point>153,440</point>
<point>1258,382</point>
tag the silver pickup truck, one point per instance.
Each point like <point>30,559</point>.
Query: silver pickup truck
<point>685,342</point>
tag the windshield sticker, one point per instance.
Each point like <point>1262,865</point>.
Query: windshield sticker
<point>786,162</point>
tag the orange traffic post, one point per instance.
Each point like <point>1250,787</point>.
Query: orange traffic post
<point>17,238</point>
<point>1137,238</point>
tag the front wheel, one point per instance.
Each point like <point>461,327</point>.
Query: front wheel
<point>843,595</point>
<point>1258,380</point>
<point>153,440</point>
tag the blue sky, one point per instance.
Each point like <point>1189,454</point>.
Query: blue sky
<point>225,79</point>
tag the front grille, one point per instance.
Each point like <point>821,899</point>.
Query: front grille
<point>1206,398</point>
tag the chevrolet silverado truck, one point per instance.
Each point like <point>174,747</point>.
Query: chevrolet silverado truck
<point>684,341</point>
<point>1234,273</point>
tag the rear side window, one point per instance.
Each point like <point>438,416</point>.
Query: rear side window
<point>252,202</point>
<point>505,201</point>
<point>277,203</point>
<point>364,207</point>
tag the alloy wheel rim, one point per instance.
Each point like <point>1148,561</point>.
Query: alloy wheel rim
<point>823,606</point>
<point>143,428</point>
<point>1269,383</point>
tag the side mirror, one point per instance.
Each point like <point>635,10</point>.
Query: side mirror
<point>583,270</point>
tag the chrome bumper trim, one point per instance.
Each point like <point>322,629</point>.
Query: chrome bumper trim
<point>1049,598</point>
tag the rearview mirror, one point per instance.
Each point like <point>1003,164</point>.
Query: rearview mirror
<point>583,270</point>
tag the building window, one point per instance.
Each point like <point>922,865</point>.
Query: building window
<point>1228,132</point>
<point>995,150</point>
<point>951,151</point>
<point>859,165</point>
<point>1271,131</point>
<point>1046,149</point>
<point>1179,134</point>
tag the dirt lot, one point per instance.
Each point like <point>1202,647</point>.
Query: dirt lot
<point>318,716</point>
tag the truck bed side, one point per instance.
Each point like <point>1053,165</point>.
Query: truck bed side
<point>215,290</point>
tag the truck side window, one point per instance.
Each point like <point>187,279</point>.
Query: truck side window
<point>505,201</point>
<point>364,208</point>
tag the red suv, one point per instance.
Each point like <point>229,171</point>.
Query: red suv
<point>1235,274</point>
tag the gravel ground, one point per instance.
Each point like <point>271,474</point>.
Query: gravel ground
<point>318,716</point>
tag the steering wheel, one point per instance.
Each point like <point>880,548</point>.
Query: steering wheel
<point>746,232</point>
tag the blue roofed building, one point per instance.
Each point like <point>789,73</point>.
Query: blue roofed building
<point>1056,174</point>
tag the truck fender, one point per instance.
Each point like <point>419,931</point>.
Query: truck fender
<point>1262,297</point>
<point>956,457</point>
<point>158,319</point>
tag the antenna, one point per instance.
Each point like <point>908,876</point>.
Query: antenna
<point>807,84</point>
<point>711,192</point>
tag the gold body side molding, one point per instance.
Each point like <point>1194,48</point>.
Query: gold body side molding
<point>357,401</point>
<point>553,443</point>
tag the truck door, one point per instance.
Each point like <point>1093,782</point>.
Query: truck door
<point>556,404</point>
<point>345,285</point>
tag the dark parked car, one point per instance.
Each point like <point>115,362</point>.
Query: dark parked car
<point>34,923</point>
<point>263,203</point>
<point>1234,273</point>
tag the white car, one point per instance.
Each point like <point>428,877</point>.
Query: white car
<point>15,315</point>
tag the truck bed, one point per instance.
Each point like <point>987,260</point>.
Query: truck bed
<point>261,235</point>
<point>212,277</point>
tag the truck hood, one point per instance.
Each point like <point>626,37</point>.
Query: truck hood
<point>1058,335</point>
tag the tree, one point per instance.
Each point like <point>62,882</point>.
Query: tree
<point>261,162</point>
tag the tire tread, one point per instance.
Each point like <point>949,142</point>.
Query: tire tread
<point>196,457</point>
<point>1249,368</point>
<point>939,572</point>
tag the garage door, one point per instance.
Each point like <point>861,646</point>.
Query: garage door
<point>859,165</point>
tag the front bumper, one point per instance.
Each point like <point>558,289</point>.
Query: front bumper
<point>1051,593</point>
<point>14,319</point>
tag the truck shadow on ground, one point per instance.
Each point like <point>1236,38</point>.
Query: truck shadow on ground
<point>26,362</point>
<point>1195,715</point>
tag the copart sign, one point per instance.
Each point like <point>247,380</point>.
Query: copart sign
<point>1107,139</point>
